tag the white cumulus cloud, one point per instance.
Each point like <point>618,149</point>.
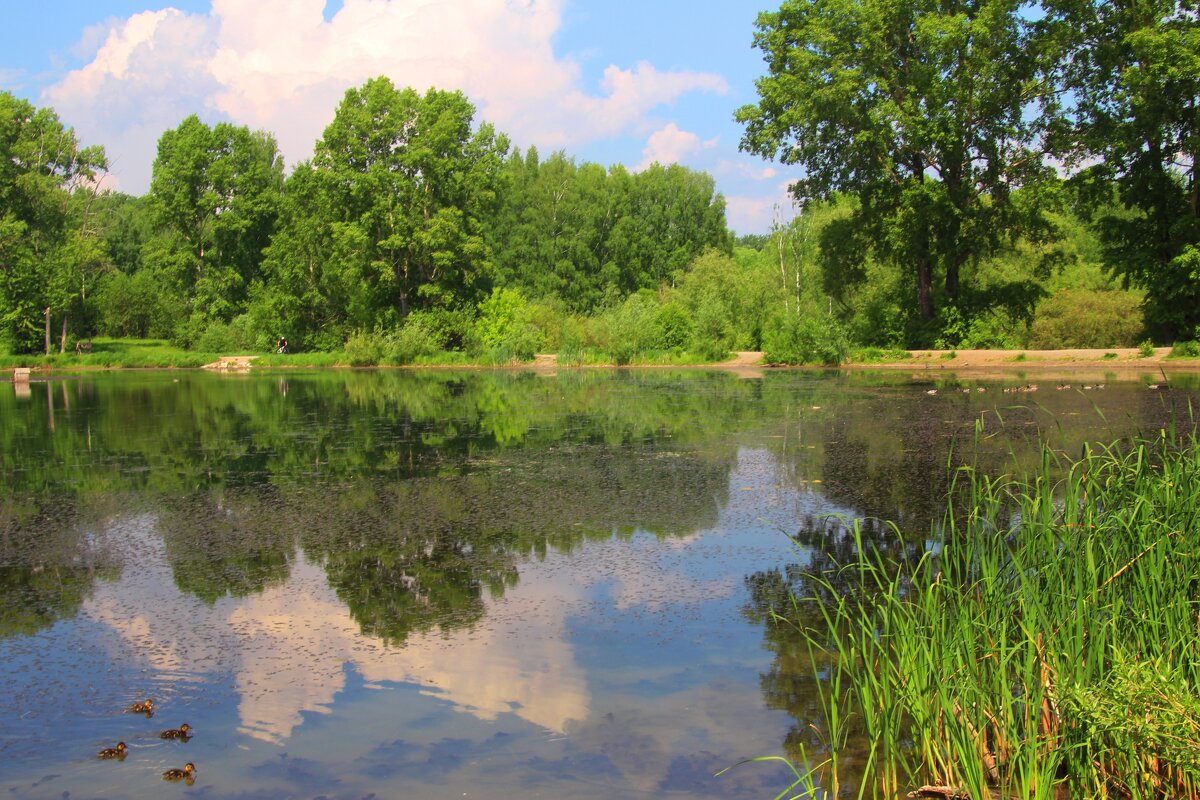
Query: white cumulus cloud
<point>670,145</point>
<point>281,66</point>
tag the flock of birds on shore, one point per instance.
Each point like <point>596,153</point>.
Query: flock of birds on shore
<point>1062,387</point>
<point>182,734</point>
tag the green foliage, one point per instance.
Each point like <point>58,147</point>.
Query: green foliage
<point>49,256</point>
<point>920,112</point>
<point>676,325</point>
<point>805,340</point>
<point>1086,318</point>
<point>236,336</point>
<point>580,233</point>
<point>136,305</point>
<point>1146,349</point>
<point>365,348</point>
<point>968,664</point>
<point>1132,75</point>
<point>1189,349</point>
<point>215,194</point>
<point>415,339</point>
<point>632,329</point>
<point>504,327</point>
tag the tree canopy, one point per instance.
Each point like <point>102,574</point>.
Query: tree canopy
<point>920,110</point>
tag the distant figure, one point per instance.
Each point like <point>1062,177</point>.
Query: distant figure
<point>281,346</point>
<point>82,346</point>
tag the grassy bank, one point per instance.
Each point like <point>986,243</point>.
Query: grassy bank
<point>158,353</point>
<point>1047,640</point>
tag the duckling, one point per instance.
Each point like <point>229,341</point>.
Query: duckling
<point>180,774</point>
<point>113,752</point>
<point>145,707</point>
<point>178,733</point>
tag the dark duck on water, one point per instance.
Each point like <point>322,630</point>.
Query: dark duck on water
<point>145,707</point>
<point>180,774</point>
<point>113,752</point>
<point>178,733</point>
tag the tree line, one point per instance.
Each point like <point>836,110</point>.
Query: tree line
<point>975,173</point>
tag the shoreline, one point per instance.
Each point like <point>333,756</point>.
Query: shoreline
<point>976,363</point>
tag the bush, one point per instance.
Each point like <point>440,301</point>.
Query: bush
<point>365,348</point>
<point>417,337</point>
<point>676,326</point>
<point>1185,350</point>
<point>632,329</point>
<point>221,337</point>
<point>136,306</point>
<point>713,331</point>
<point>504,330</point>
<point>1083,318</point>
<point>805,340</point>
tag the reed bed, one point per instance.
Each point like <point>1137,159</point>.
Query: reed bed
<point>1045,644</point>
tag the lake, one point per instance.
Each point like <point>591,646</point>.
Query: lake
<point>437,584</point>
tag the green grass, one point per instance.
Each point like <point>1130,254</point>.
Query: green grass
<point>1108,356</point>
<point>1047,637</point>
<point>106,353</point>
<point>1020,357</point>
<point>879,355</point>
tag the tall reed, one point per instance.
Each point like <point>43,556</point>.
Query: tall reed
<point>1045,644</point>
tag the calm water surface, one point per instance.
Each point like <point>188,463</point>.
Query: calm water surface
<point>427,584</point>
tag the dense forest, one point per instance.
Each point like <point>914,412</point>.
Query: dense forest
<point>975,174</point>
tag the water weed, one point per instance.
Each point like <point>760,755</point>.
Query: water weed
<point>1044,642</point>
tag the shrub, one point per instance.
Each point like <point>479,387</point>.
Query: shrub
<point>364,348</point>
<point>1079,318</point>
<point>136,305</point>
<point>632,329</point>
<point>1146,349</point>
<point>221,337</point>
<point>417,337</point>
<point>1185,350</point>
<point>504,330</point>
<point>675,324</point>
<point>805,340</point>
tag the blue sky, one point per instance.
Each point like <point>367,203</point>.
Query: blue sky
<point>619,81</point>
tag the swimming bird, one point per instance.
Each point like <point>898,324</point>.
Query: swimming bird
<point>113,752</point>
<point>177,733</point>
<point>180,774</point>
<point>145,707</point>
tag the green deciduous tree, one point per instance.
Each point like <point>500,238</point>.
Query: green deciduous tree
<point>46,252</point>
<point>1133,71</point>
<point>411,188</point>
<point>922,111</point>
<point>215,192</point>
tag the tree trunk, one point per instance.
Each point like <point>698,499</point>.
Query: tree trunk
<point>62,342</point>
<point>924,287</point>
<point>46,314</point>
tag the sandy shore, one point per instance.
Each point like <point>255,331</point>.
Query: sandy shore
<point>980,364</point>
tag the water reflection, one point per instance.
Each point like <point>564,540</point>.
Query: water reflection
<point>420,583</point>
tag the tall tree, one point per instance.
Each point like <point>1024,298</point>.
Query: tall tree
<point>44,249</point>
<point>1133,71</point>
<point>217,191</point>
<point>922,111</point>
<point>412,187</point>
